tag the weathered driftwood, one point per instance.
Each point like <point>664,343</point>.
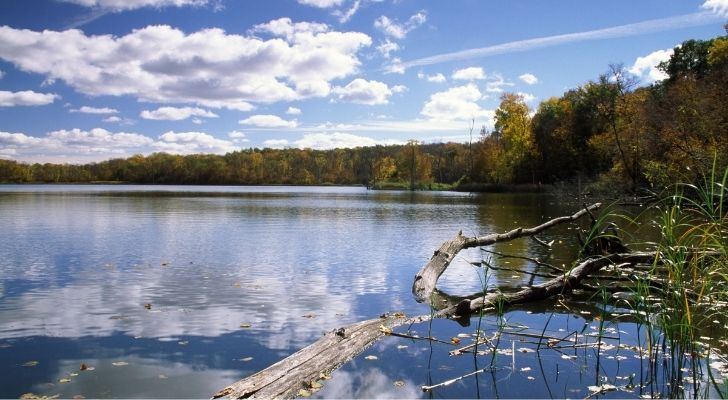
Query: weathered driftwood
<point>427,277</point>
<point>559,285</point>
<point>287,377</point>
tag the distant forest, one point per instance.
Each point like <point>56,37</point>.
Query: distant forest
<point>608,131</point>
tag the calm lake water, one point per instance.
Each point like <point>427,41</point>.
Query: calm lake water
<point>178,291</point>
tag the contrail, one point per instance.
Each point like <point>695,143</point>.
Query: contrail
<point>639,28</point>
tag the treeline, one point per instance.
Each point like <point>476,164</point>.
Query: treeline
<point>608,131</point>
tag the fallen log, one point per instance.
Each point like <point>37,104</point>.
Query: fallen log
<point>286,378</point>
<point>559,285</point>
<point>426,279</point>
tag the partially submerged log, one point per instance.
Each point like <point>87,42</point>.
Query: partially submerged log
<point>426,278</point>
<point>287,377</point>
<point>560,285</point>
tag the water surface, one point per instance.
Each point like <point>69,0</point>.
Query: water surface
<point>178,291</point>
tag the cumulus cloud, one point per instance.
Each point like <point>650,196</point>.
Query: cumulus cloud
<point>397,30</point>
<point>95,110</point>
<point>437,78</point>
<point>719,7</point>
<point>469,74</point>
<point>176,113</point>
<point>458,103</point>
<point>337,140</point>
<point>646,67</point>
<point>238,137</point>
<point>192,143</point>
<point>496,84</point>
<point>77,145</point>
<point>386,47</point>
<point>123,5</point>
<point>268,121</point>
<point>25,98</point>
<point>73,145</point>
<point>321,3</point>
<point>529,79</point>
<point>293,111</point>
<point>164,64</point>
<point>527,97</point>
<point>364,92</point>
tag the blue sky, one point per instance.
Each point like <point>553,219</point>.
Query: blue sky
<point>89,80</point>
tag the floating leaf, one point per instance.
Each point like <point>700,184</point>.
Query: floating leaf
<point>31,363</point>
<point>64,380</point>
<point>183,343</point>
<point>236,284</point>
<point>148,306</point>
<point>244,325</point>
<point>398,383</point>
<point>530,378</point>
<point>455,340</point>
<point>246,359</point>
<point>119,363</point>
<point>309,316</point>
<point>526,350</point>
<point>162,376</point>
<point>83,367</point>
<point>371,358</point>
<point>401,346</point>
<point>304,393</point>
<point>73,374</point>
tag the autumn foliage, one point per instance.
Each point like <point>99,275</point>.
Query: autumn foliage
<point>610,131</point>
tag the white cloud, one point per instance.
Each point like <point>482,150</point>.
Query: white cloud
<point>345,16</point>
<point>469,74</point>
<point>293,111</point>
<point>276,143</point>
<point>176,113</point>
<point>639,28</point>
<point>112,118</point>
<point>230,105</point>
<point>458,103</point>
<point>497,83</point>
<point>399,89</point>
<point>527,97</point>
<point>95,110</point>
<point>166,65</point>
<point>437,78</point>
<point>719,7</point>
<point>121,5</point>
<point>238,137</point>
<point>529,79</point>
<point>192,143</point>
<point>646,67</point>
<point>25,98</point>
<point>268,121</point>
<point>364,92</point>
<point>386,47</point>
<point>337,140</point>
<point>321,3</point>
<point>399,30</point>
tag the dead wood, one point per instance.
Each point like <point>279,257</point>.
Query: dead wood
<point>426,278</point>
<point>287,377</point>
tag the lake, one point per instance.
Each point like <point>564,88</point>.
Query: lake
<point>177,291</point>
